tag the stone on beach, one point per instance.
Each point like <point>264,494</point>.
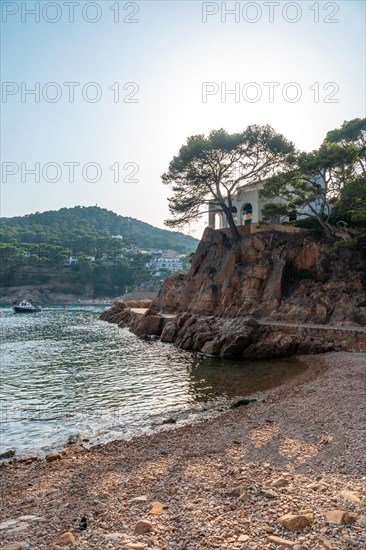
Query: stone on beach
<point>280,482</point>
<point>66,539</point>
<point>279,541</point>
<point>340,517</point>
<point>143,526</point>
<point>16,546</point>
<point>243,538</point>
<point>22,526</point>
<point>295,522</point>
<point>169,420</point>
<point>52,456</point>
<point>8,523</point>
<point>237,491</point>
<point>114,537</point>
<point>157,508</point>
<point>267,493</point>
<point>351,496</point>
<point>7,454</point>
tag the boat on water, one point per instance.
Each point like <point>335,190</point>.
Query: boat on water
<point>25,307</point>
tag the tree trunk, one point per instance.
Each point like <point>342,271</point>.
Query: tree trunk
<point>233,227</point>
<point>328,229</point>
<point>234,232</point>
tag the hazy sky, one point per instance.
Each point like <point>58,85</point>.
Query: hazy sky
<point>123,84</point>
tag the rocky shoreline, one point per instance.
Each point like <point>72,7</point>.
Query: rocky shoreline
<point>236,338</point>
<point>286,471</point>
<point>256,298</point>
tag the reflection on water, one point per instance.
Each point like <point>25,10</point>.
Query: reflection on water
<point>66,373</point>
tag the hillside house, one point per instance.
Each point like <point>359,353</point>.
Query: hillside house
<point>247,208</point>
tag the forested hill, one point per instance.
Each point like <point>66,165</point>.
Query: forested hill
<point>71,225</point>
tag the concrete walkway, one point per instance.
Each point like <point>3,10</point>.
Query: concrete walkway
<point>141,311</point>
<point>306,325</point>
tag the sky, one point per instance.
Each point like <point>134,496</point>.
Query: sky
<point>98,97</point>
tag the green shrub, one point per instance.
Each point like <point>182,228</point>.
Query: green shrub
<point>307,223</point>
<point>345,243</point>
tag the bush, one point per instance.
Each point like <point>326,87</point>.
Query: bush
<point>345,243</point>
<point>307,223</point>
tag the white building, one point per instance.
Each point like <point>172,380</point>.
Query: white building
<point>171,263</point>
<point>71,260</point>
<point>247,208</point>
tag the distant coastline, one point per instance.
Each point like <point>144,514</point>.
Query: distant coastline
<point>44,294</point>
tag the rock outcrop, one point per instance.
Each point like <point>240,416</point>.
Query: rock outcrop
<point>136,315</point>
<point>225,305</point>
<point>240,337</point>
<point>121,312</point>
<point>273,275</point>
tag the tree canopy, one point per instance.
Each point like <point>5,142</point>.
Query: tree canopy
<point>323,181</point>
<point>88,227</point>
<point>352,133</point>
<point>211,169</point>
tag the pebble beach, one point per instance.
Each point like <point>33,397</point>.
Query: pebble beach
<point>286,471</point>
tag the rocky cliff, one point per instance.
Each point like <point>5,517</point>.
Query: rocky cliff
<point>275,275</point>
<point>226,303</point>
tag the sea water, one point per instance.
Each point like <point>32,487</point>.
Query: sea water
<point>66,373</point>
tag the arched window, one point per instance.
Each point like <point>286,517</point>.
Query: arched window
<point>246,214</point>
<point>219,220</point>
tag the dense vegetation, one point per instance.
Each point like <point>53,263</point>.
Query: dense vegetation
<point>327,185</point>
<point>35,248</point>
<point>93,224</point>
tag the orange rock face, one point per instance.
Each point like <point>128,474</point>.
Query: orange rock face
<point>232,287</point>
<point>280,276</point>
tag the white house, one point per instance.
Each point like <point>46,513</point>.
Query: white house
<point>72,260</point>
<point>171,263</point>
<point>247,208</point>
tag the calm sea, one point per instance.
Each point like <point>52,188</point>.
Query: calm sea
<point>68,373</point>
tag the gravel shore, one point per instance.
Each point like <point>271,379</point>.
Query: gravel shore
<point>221,483</point>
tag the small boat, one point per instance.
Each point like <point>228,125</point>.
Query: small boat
<point>25,307</point>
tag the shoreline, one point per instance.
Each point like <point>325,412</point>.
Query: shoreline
<point>309,433</point>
